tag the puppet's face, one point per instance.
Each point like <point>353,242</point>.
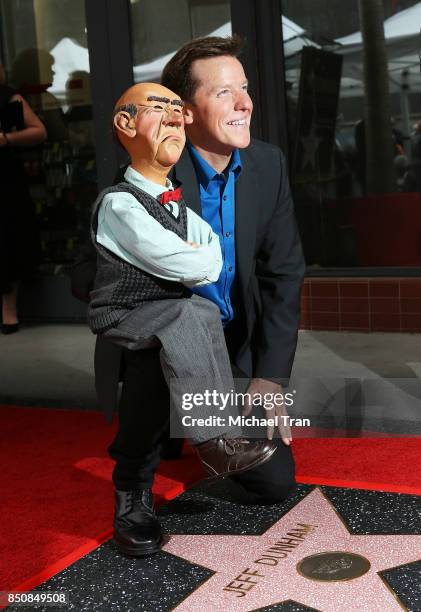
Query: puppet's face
<point>156,135</point>
<point>220,112</point>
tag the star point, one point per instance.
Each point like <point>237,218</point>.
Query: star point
<point>252,572</point>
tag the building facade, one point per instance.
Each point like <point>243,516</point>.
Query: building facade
<point>342,100</point>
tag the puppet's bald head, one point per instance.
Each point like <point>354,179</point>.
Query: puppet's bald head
<point>148,121</point>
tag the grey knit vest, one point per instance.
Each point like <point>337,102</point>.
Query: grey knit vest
<point>119,286</point>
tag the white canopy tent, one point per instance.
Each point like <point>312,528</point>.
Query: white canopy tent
<point>294,37</point>
<point>70,57</point>
<point>399,27</point>
<point>402,37</point>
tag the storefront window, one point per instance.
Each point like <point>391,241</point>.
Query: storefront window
<point>45,58</point>
<point>161,27</point>
<point>354,119</point>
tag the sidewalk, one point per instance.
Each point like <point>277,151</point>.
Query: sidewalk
<point>52,365</point>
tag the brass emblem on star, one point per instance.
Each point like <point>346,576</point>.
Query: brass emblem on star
<point>333,566</point>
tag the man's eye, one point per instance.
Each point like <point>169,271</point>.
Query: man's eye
<point>222,92</point>
<point>158,107</point>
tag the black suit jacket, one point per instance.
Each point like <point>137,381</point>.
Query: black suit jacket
<point>269,271</point>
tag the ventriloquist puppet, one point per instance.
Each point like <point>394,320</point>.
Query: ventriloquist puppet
<point>151,249</point>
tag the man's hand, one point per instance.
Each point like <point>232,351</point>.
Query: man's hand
<point>259,387</point>
<point>193,244</point>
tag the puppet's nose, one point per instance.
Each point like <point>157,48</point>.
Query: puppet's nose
<point>174,117</point>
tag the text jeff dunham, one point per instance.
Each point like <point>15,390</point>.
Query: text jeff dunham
<point>249,577</point>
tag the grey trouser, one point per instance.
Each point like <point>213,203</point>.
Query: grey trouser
<point>194,357</point>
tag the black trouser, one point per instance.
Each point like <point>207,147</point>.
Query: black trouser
<point>144,427</point>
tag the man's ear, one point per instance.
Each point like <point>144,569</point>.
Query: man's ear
<point>188,114</point>
<point>125,124</point>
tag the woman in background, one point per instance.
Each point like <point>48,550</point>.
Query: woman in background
<point>19,243</point>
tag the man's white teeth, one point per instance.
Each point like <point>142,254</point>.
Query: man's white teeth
<point>241,122</point>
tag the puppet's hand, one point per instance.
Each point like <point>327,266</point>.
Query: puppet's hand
<point>259,389</point>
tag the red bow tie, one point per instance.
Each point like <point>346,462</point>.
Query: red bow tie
<point>173,195</point>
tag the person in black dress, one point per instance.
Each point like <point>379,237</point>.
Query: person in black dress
<point>19,243</point>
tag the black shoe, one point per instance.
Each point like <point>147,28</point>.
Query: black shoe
<point>137,531</point>
<point>9,328</point>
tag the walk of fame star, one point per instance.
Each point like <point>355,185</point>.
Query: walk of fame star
<point>253,572</point>
<point>310,143</point>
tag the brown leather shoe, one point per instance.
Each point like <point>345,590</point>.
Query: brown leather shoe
<point>223,457</point>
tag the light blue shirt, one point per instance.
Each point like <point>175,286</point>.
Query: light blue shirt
<point>126,229</point>
<point>217,198</point>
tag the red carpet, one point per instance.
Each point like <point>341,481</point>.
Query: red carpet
<point>55,465</point>
<point>380,464</point>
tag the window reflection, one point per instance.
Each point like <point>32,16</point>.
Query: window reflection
<point>161,27</point>
<point>46,60</point>
<point>355,139</point>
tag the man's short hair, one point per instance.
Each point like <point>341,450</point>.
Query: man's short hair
<point>177,74</point>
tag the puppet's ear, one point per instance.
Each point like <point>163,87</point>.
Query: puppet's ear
<point>188,114</point>
<point>125,124</point>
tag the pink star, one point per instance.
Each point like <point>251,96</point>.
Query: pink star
<point>248,575</point>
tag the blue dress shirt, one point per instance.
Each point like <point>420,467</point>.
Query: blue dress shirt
<point>217,197</point>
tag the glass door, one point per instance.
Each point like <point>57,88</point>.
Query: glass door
<point>45,58</point>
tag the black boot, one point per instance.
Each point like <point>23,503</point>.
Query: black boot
<point>137,531</point>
